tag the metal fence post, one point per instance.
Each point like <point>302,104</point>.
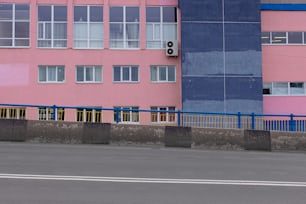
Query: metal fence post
<point>179,118</point>
<point>117,115</point>
<point>253,121</point>
<point>239,120</point>
<point>292,123</point>
<point>54,112</point>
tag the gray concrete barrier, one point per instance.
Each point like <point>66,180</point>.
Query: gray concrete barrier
<point>288,141</point>
<point>217,139</point>
<point>54,132</point>
<point>96,133</point>
<point>137,134</point>
<point>178,137</point>
<point>257,140</point>
<point>13,130</point>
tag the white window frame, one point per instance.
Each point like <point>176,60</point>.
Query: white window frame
<point>132,112</point>
<point>289,89</point>
<point>13,38</point>
<point>122,80</point>
<point>88,24</point>
<point>161,40</point>
<point>47,74</point>
<point>157,112</point>
<point>95,72</point>
<point>125,40</point>
<point>159,67</point>
<point>52,22</point>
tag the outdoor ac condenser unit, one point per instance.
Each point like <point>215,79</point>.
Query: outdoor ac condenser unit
<point>171,48</point>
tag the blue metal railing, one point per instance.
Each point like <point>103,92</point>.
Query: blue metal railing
<point>272,122</point>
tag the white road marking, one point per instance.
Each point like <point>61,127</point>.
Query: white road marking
<point>153,180</point>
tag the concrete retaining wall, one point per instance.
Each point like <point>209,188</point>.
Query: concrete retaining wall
<point>169,136</point>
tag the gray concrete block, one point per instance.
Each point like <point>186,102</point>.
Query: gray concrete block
<point>178,137</point>
<point>96,133</point>
<point>13,130</point>
<point>137,134</point>
<point>257,140</point>
<point>55,132</point>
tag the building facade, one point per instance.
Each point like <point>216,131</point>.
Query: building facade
<point>227,56</point>
<point>284,58</point>
<point>90,53</point>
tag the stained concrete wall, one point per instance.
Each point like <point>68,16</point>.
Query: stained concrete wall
<point>198,138</point>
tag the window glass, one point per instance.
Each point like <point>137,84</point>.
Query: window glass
<point>132,14</point>
<point>171,73</point>
<point>153,14</point>
<point>169,14</point>
<point>80,74</point>
<point>162,73</point>
<point>22,29</point>
<point>44,13</point>
<point>295,37</point>
<point>125,73</point>
<point>89,74</point>
<point>80,13</point>
<point>153,72</point>
<point>297,88</point>
<point>60,73</point>
<point>98,74</point>
<point>265,37</point>
<point>42,73</point>
<point>116,73</point>
<point>279,38</point>
<point>116,14</point>
<point>96,14</point>
<point>6,11</point>
<point>60,13</point>
<point>6,30</point>
<point>280,88</point>
<point>134,73</point>
<point>267,88</point>
<point>22,12</point>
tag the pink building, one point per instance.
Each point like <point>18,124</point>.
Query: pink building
<point>284,59</point>
<point>90,53</point>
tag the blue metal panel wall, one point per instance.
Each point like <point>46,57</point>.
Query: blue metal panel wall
<point>221,55</point>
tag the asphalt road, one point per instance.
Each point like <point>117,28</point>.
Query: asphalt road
<point>92,174</point>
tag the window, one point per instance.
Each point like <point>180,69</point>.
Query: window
<point>162,73</point>
<point>124,27</point>
<point>295,37</point>
<point>14,25</point>
<point>125,74</point>
<point>267,89</point>
<point>126,114</point>
<point>265,38</point>
<point>89,74</point>
<point>51,74</point>
<point>12,113</point>
<point>297,88</point>
<point>279,37</point>
<point>162,114</point>
<point>48,114</point>
<point>161,25</point>
<point>284,88</point>
<point>88,27</point>
<point>52,26</point>
<point>89,115</point>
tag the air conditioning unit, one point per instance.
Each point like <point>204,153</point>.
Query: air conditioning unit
<point>171,48</point>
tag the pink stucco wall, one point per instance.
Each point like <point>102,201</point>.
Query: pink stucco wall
<point>284,63</point>
<point>19,69</point>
